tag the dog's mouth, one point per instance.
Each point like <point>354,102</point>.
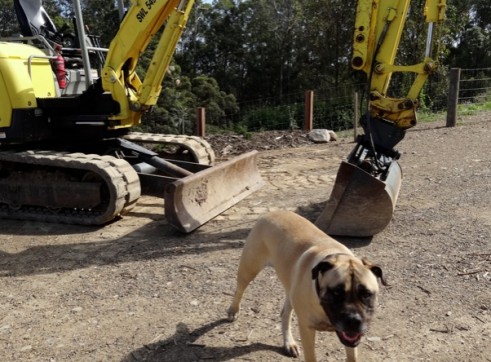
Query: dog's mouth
<point>349,339</point>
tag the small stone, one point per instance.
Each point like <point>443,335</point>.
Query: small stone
<point>226,150</point>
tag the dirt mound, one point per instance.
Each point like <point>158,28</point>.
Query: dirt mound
<point>227,145</point>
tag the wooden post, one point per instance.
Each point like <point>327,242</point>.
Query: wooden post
<point>308,123</point>
<point>200,121</point>
<point>356,115</point>
<point>453,97</point>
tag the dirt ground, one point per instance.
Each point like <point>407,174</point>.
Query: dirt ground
<point>136,290</point>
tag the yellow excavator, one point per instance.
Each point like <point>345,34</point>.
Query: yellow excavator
<point>67,105</point>
<point>367,185</point>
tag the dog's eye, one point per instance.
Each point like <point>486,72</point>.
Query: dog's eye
<point>364,293</point>
<point>337,292</point>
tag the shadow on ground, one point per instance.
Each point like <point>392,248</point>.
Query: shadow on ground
<point>182,347</point>
<point>155,240</point>
<point>152,241</point>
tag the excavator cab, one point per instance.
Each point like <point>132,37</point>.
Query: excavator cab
<point>34,20</point>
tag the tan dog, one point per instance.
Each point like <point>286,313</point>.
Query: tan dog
<point>326,285</point>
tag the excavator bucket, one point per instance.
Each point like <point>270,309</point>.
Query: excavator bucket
<point>360,205</point>
<point>193,200</point>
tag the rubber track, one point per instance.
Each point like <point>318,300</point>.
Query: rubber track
<point>201,150</point>
<point>120,178</point>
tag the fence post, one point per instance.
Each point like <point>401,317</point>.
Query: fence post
<point>308,123</point>
<point>453,97</point>
<point>200,121</point>
<point>356,115</point>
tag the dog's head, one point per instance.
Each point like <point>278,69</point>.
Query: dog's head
<point>347,288</point>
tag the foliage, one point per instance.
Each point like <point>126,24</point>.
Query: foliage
<point>176,108</point>
<point>7,26</point>
<point>236,51</point>
<point>274,117</point>
<point>333,115</point>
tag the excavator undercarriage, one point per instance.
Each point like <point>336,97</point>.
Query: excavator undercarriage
<point>93,189</point>
<point>74,188</point>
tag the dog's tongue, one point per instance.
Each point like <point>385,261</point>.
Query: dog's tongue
<point>351,337</point>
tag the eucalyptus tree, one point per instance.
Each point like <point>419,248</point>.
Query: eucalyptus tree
<point>8,24</point>
<point>470,30</point>
<point>327,41</point>
<point>215,43</point>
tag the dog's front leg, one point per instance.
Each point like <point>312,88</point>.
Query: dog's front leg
<point>307,335</point>
<point>351,354</point>
<point>233,310</point>
<point>291,348</point>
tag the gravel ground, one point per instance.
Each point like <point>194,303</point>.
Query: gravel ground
<point>136,290</point>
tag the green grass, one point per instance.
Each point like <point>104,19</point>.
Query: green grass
<point>473,108</point>
<point>426,117</point>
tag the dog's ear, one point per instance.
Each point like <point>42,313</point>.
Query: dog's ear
<point>322,267</point>
<point>376,270</point>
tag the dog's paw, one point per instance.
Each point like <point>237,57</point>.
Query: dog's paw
<point>291,349</point>
<point>232,314</point>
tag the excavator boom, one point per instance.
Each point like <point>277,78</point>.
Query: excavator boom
<point>367,184</point>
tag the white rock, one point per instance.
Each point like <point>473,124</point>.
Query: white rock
<point>319,135</point>
<point>334,136</point>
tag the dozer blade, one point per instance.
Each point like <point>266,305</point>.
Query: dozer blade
<point>360,204</point>
<point>193,200</point>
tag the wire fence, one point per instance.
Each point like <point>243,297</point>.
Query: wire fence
<point>334,108</point>
<point>474,86</point>
<point>468,90</point>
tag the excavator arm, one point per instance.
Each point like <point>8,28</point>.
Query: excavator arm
<point>367,185</point>
<point>379,26</point>
<point>141,23</point>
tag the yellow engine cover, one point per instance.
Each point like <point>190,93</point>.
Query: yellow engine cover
<point>20,83</point>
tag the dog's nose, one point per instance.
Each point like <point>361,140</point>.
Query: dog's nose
<point>353,321</point>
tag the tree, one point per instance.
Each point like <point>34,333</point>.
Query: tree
<point>102,19</point>
<point>214,43</point>
<point>217,102</point>
<point>7,14</point>
<point>176,108</point>
<point>327,41</point>
<point>474,50</point>
<point>481,12</point>
<point>258,48</point>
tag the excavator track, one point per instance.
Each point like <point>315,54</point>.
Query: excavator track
<point>72,188</point>
<point>196,148</point>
